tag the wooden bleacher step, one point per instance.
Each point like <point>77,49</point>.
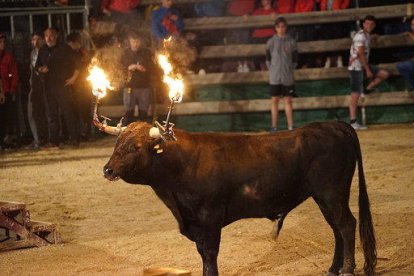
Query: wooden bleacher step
<point>17,230</point>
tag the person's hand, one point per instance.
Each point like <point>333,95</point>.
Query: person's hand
<point>374,37</point>
<point>43,69</point>
<point>2,98</point>
<point>106,12</point>
<point>70,81</point>
<point>410,35</point>
<point>173,17</point>
<point>132,67</point>
<point>369,73</point>
<point>140,68</point>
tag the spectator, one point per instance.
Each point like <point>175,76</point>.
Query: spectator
<point>333,31</point>
<point>60,66</point>
<point>333,5</point>
<point>119,11</point>
<point>82,88</point>
<point>304,6</point>
<point>36,103</point>
<point>358,62</point>
<point>211,8</point>
<point>284,6</point>
<point>166,21</point>
<point>406,68</point>
<point>137,61</point>
<point>281,55</point>
<point>8,106</point>
<point>262,35</point>
<point>240,7</point>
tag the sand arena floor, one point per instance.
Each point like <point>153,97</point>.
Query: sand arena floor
<point>113,228</point>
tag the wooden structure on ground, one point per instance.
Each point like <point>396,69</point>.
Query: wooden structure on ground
<point>18,230</point>
<point>166,271</point>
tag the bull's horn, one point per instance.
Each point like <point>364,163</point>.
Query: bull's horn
<point>108,129</point>
<point>154,132</point>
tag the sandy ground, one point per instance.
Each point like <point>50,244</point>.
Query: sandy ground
<point>117,228</point>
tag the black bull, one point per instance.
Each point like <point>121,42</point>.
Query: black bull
<point>209,180</point>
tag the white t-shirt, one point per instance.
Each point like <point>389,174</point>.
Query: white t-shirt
<point>360,39</point>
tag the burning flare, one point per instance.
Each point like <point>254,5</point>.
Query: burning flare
<point>99,81</point>
<point>100,84</point>
<point>174,81</point>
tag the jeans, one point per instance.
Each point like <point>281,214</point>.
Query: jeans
<point>406,69</point>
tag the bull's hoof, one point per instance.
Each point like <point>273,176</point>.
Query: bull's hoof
<point>331,274</point>
<point>347,274</point>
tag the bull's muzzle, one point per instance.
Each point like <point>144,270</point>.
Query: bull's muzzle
<point>110,174</point>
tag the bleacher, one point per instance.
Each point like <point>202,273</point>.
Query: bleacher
<point>325,100</point>
<point>230,95</point>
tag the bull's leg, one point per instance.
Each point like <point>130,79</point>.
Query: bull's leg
<point>340,216</point>
<point>208,247</point>
<point>339,245</point>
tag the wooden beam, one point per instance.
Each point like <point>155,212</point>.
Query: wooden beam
<point>176,2</point>
<point>262,76</point>
<point>333,45</point>
<point>320,17</point>
<point>263,105</point>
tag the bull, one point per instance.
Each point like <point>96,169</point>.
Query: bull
<point>209,180</point>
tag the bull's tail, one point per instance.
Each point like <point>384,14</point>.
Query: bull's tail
<point>366,228</point>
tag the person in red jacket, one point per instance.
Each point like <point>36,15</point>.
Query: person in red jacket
<point>121,11</point>
<point>263,34</point>
<point>9,80</point>
<point>260,36</point>
<point>333,31</point>
<point>334,5</point>
<point>284,6</point>
<point>304,5</point>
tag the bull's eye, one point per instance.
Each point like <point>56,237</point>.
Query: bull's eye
<point>138,146</point>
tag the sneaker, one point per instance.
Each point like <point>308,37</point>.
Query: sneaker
<point>339,62</point>
<point>327,63</point>
<point>32,146</point>
<point>291,128</point>
<point>357,126</point>
<point>273,130</point>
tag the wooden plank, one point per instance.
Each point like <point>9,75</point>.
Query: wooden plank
<point>10,206</point>
<point>262,76</point>
<point>320,17</point>
<point>333,45</point>
<point>166,271</point>
<point>262,105</point>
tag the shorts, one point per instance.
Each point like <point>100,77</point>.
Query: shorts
<point>280,90</point>
<point>357,78</point>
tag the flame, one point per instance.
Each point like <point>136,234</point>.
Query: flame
<point>174,82</point>
<point>99,81</point>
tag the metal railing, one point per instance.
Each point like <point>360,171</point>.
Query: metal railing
<point>49,12</point>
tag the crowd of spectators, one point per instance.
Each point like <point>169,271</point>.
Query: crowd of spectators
<point>59,100</point>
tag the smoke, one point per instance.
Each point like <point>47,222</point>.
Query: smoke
<point>180,53</point>
<point>109,59</point>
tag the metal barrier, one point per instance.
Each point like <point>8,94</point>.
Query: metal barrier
<point>66,11</point>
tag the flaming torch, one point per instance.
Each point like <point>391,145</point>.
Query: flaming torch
<point>175,84</point>
<point>100,84</point>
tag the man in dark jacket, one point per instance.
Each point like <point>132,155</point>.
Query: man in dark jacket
<point>138,64</point>
<point>60,66</point>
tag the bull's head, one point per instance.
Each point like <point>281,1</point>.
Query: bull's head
<point>133,153</point>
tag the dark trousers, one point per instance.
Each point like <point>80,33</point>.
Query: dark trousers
<point>59,98</point>
<point>36,112</point>
<point>83,106</point>
<point>8,117</point>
